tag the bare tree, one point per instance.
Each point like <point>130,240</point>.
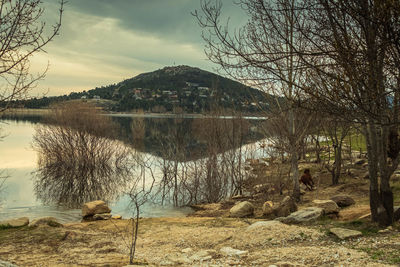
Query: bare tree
<point>22,34</point>
<point>353,56</point>
<point>337,131</point>
<point>263,54</point>
<point>78,161</point>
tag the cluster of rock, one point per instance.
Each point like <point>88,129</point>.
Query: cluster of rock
<point>24,221</point>
<point>287,211</point>
<point>97,210</point>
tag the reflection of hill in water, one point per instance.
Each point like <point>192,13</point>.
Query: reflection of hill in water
<point>184,138</point>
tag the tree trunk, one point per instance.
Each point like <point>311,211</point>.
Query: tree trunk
<point>295,176</point>
<point>374,197</point>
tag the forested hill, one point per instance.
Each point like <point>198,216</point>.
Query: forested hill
<point>182,87</point>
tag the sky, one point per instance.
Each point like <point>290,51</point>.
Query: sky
<point>102,42</point>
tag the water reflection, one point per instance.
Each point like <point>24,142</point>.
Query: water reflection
<point>149,135</point>
<point>78,161</point>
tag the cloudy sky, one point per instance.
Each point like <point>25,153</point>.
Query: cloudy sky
<point>105,41</point>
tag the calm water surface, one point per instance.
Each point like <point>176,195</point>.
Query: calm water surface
<point>18,160</point>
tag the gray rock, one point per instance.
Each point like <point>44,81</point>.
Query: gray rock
<point>242,209</point>
<point>303,215</point>
<point>343,200</point>
<point>50,221</point>
<point>23,221</point>
<point>329,206</point>
<point>201,255</point>
<point>7,264</point>
<point>344,233</point>
<point>263,225</point>
<point>95,207</point>
<point>228,251</point>
<point>286,207</point>
<point>102,216</point>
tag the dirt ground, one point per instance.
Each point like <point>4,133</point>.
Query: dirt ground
<point>194,242</point>
<point>202,241</point>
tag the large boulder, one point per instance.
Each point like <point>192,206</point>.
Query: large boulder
<point>242,209</point>
<point>329,206</point>
<point>343,200</point>
<point>303,215</point>
<point>95,207</point>
<point>23,221</point>
<point>285,208</point>
<point>343,233</point>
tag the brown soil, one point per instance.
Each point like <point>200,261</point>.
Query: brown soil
<point>179,241</point>
<point>161,241</point>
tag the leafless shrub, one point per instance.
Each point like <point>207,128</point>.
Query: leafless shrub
<point>77,159</point>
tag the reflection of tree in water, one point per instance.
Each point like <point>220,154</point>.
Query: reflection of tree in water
<point>76,160</point>
<point>158,132</point>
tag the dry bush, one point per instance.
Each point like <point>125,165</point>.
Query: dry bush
<point>78,161</point>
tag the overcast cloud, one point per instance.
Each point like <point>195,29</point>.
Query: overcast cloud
<point>103,41</point>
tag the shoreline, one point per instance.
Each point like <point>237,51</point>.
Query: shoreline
<point>39,112</point>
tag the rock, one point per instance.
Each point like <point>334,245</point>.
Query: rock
<point>366,175</point>
<point>95,207</point>
<point>228,251</point>
<point>7,264</point>
<point>343,233</point>
<point>360,162</point>
<point>23,221</point>
<point>387,230</point>
<point>116,217</point>
<point>242,209</point>
<point>329,206</point>
<point>303,215</point>
<point>268,208</point>
<point>50,221</point>
<point>102,216</point>
<point>343,200</point>
<point>286,207</point>
<point>365,165</point>
<point>263,225</point>
<point>202,255</point>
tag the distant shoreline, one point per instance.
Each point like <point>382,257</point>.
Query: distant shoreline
<point>26,111</point>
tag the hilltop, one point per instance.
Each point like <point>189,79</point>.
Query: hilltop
<point>180,88</point>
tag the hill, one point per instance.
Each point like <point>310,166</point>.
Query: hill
<point>169,89</point>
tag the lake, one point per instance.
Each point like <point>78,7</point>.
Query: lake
<point>18,160</point>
